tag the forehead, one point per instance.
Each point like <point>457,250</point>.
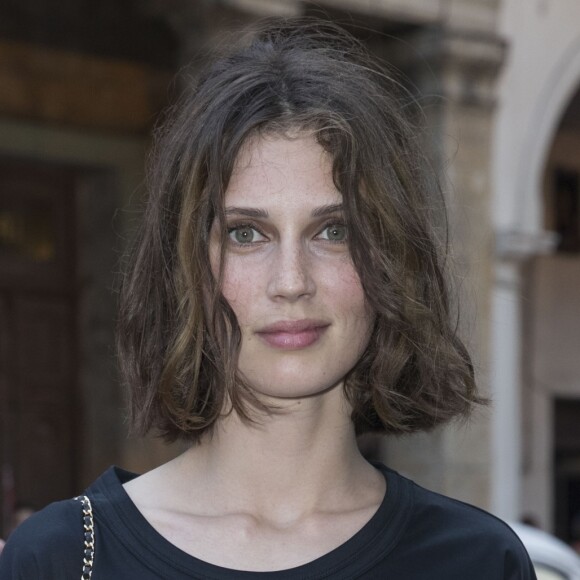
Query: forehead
<point>271,170</point>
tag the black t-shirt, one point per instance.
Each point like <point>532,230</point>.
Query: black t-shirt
<point>414,535</point>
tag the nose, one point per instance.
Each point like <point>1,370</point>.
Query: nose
<point>291,274</point>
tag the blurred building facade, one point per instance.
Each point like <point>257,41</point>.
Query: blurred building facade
<point>81,84</point>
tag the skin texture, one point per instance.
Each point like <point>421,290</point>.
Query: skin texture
<point>286,490</point>
<point>293,265</point>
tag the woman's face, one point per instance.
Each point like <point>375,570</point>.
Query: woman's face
<point>288,274</point>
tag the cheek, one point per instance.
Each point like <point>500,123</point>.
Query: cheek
<point>343,282</point>
<point>234,285</point>
<point>241,289</point>
<point>343,292</point>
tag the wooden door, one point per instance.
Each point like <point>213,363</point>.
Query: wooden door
<point>38,395</point>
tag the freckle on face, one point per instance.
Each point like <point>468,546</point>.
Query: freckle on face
<point>291,271</point>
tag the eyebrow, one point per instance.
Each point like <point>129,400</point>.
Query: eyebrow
<point>261,213</point>
<point>247,211</point>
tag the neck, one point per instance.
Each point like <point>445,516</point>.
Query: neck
<point>293,462</point>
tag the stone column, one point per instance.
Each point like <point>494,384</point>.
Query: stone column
<point>505,377</point>
<point>457,69</point>
<point>469,69</point>
<point>513,250</point>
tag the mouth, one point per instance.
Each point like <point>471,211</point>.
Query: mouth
<point>293,334</point>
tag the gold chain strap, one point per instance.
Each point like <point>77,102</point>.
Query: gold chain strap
<point>89,535</point>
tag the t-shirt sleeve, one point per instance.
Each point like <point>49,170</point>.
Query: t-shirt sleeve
<point>464,541</point>
<point>47,545</point>
<point>517,563</point>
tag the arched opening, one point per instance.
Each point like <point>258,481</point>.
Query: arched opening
<point>551,342</point>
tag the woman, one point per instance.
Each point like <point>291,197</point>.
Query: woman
<point>286,294</point>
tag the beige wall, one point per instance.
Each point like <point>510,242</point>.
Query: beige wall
<point>551,355</point>
<point>541,74</point>
<point>552,363</point>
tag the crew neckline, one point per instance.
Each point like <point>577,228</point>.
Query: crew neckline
<point>114,509</point>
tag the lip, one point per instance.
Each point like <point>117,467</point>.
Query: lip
<point>293,334</point>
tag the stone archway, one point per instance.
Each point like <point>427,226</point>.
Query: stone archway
<point>551,338</point>
<point>556,97</point>
<point>540,78</point>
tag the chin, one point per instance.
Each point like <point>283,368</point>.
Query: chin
<point>292,384</point>
<point>292,393</point>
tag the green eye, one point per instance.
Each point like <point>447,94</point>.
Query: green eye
<point>334,233</point>
<point>243,235</point>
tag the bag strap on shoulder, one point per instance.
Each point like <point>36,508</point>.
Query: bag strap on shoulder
<point>89,536</point>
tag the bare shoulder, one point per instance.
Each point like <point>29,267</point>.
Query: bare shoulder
<point>163,488</point>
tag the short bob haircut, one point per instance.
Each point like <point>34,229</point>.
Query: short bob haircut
<point>178,339</point>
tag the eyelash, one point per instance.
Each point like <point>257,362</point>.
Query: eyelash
<point>250,225</point>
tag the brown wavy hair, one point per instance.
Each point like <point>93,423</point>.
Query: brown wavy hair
<point>178,339</point>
